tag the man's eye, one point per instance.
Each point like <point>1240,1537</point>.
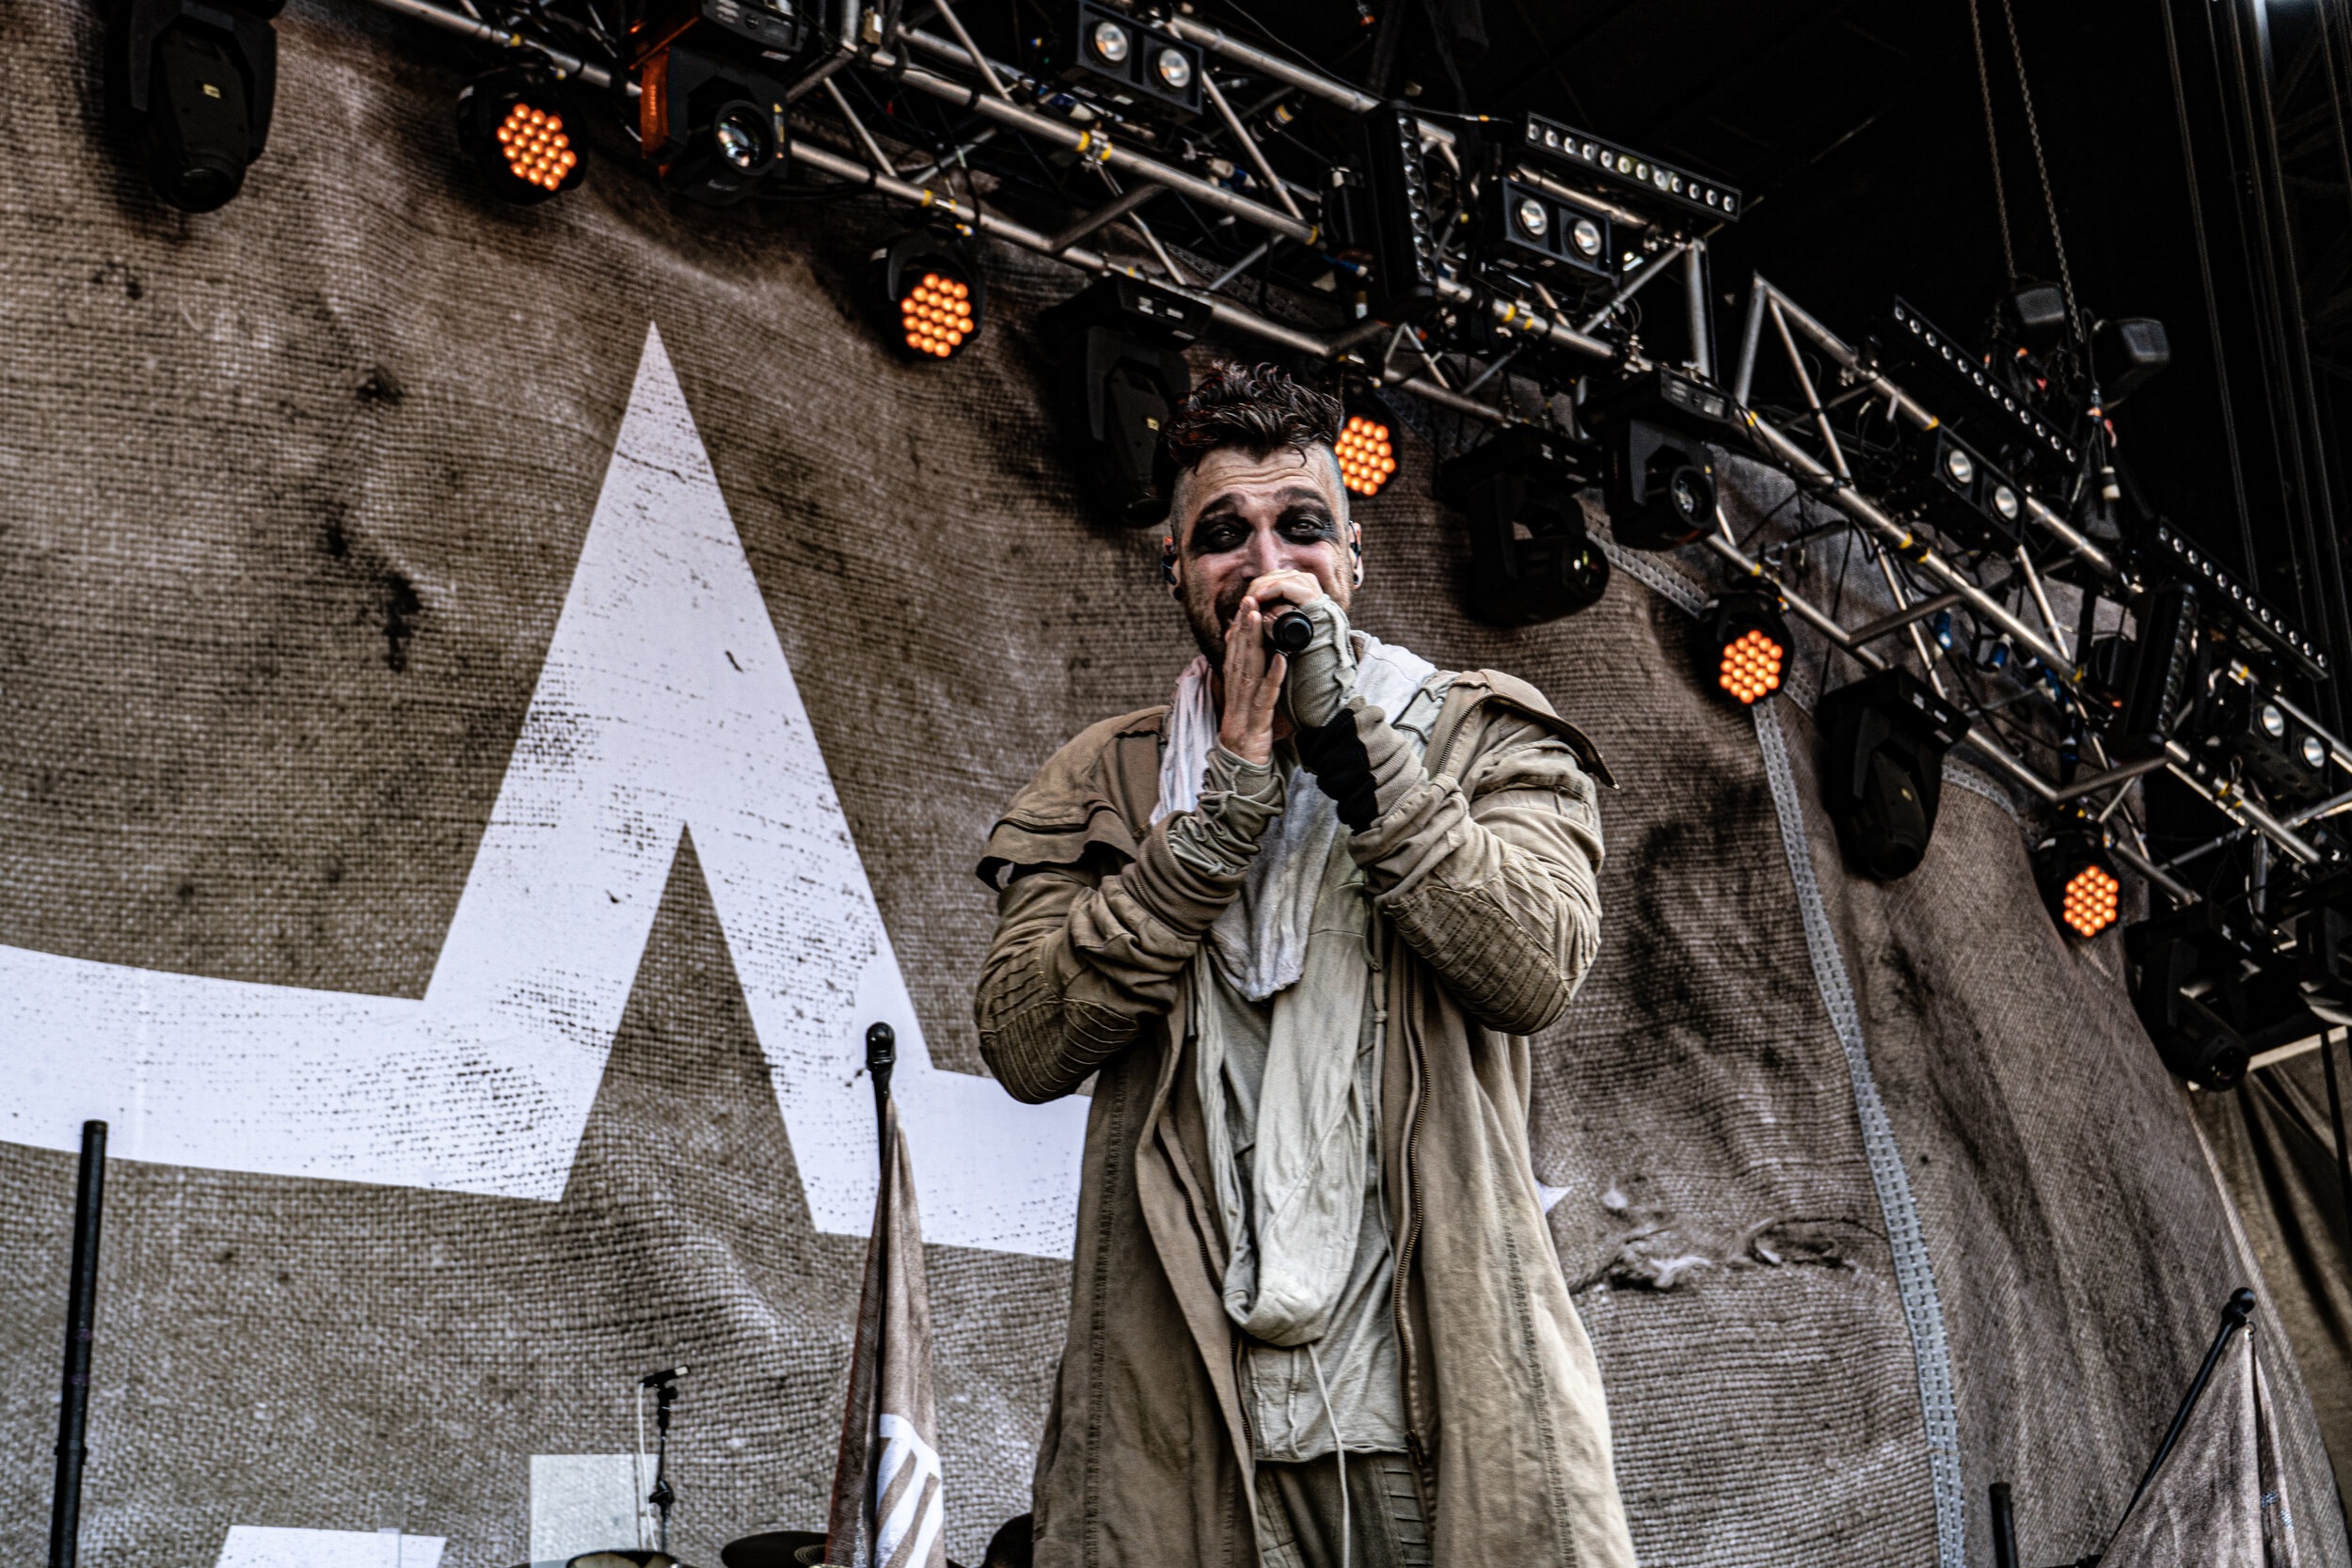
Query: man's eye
<point>1219,538</point>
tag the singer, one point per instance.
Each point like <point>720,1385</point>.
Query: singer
<point>1297,924</point>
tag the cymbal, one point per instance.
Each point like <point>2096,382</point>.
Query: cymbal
<point>631,1557</point>
<point>779,1548</point>
<point>776,1548</point>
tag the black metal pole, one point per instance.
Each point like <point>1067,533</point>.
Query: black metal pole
<point>881,1055</point>
<point>80,1312</point>
<point>2004,1527</point>
<point>2233,1317</point>
<point>2335,1123</point>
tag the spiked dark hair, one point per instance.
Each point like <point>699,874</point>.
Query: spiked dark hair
<point>1258,408</point>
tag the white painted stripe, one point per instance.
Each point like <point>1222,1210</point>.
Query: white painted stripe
<point>665,707</point>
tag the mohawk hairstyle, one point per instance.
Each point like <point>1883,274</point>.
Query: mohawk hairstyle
<point>1258,408</point>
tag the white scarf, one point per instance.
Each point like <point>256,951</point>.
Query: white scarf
<point>1302,912</point>
<point>1261,939</point>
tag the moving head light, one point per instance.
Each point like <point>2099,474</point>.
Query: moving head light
<point>192,85</point>
<point>1660,485</point>
<point>1886,738</point>
<point>2184,983</point>
<point>713,128</point>
<point>1531,558</point>
<point>1118,372</point>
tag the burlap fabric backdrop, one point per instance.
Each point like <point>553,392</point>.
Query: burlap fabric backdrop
<point>292,495</point>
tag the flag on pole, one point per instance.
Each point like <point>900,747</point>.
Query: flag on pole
<point>888,1508</point>
<point>2218,1497</point>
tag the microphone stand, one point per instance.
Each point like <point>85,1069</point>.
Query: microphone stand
<point>81,1315</point>
<point>2235,1316</point>
<point>663,1494</point>
<point>882,1057</point>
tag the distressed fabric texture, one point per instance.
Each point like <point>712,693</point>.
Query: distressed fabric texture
<point>2276,1145</point>
<point>2220,1497</point>
<point>291,496</point>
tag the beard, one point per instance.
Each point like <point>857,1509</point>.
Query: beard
<point>1210,622</point>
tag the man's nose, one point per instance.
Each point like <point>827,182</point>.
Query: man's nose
<point>1268,552</point>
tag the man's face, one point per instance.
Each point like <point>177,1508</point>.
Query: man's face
<point>1245,516</point>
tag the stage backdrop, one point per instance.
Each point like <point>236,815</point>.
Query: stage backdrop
<point>496,701</point>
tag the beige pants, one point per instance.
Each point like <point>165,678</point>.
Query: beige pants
<point>1298,1513</point>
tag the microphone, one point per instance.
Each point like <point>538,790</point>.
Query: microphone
<point>1290,633</point>
<point>662,1378</point>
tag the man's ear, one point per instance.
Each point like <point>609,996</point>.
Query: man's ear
<point>1356,550</point>
<point>1174,583</point>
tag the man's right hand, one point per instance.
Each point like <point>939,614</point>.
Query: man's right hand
<point>1253,682</point>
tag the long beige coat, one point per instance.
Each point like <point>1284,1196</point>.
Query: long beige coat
<point>1483,879</point>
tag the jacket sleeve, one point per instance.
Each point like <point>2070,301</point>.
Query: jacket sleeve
<point>1492,877</point>
<point>1083,956</point>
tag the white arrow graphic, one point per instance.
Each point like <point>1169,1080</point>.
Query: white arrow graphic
<point>665,706</point>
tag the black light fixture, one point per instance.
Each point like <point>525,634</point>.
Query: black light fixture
<point>2322,939</point>
<point>2188,991</point>
<point>1136,66</point>
<point>778,29</point>
<point>1659,477</point>
<point>713,127</point>
<point>2035,316</point>
<point>1661,488</point>
<point>512,128</point>
<point>1533,234</point>
<point>2262,630</point>
<point>2152,680</point>
<point>1946,484</point>
<point>1118,372</point>
<point>2128,354</point>
<point>1531,558</point>
<point>1741,644</point>
<point>1581,153</point>
<point>931,292</point>
<point>2286,756</point>
<point>2077,879</point>
<point>1394,214</point>
<point>191,85</point>
<point>1915,341</point>
<point>1885,736</point>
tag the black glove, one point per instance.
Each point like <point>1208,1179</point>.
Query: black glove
<point>1336,756</point>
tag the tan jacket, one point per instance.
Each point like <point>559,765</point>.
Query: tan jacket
<point>1483,877</point>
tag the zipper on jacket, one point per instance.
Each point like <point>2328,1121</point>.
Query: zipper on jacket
<point>1406,1247</point>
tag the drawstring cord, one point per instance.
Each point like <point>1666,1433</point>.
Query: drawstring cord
<point>1339,1448</point>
